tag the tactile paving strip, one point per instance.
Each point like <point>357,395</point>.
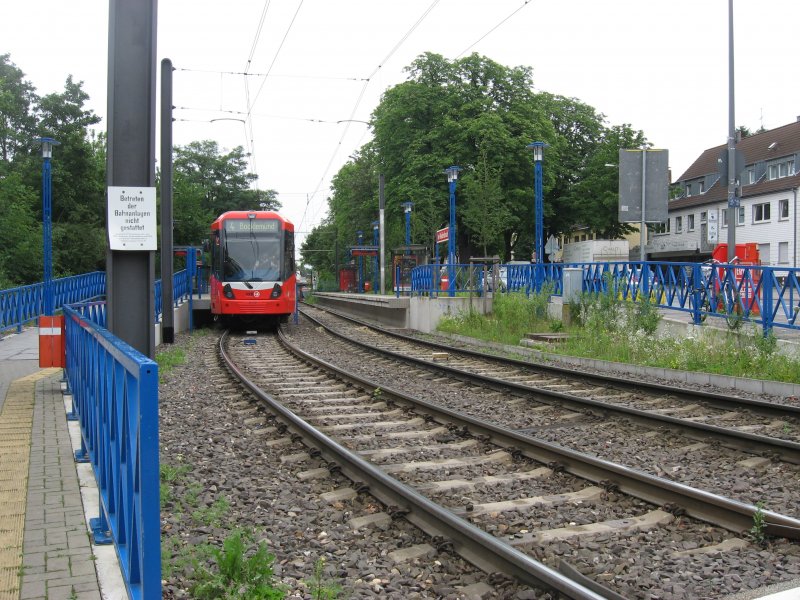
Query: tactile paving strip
<point>16,420</point>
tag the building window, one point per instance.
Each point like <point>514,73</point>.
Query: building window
<point>701,187</point>
<point>662,227</point>
<point>783,209</point>
<point>783,253</point>
<point>688,189</point>
<point>750,177</point>
<point>678,224</point>
<point>739,220</point>
<point>763,254</point>
<point>761,213</point>
<point>703,217</point>
<point>690,222</point>
<point>781,169</point>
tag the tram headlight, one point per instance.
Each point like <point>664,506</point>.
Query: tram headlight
<point>227,291</point>
<point>276,291</point>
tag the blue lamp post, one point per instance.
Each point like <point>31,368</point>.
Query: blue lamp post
<point>47,223</point>
<point>360,287</point>
<point>452,179</point>
<point>407,209</point>
<point>376,232</point>
<point>538,155</point>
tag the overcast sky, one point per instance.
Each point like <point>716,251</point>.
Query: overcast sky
<point>660,65</point>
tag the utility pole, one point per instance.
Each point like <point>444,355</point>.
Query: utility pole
<point>130,173</point>
<point>733,199</point>
<point>382,219</point>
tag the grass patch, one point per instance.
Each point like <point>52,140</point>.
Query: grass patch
<point>320,586</point>
<point>169,476</point>
<point>240,569</point>
<point>169,359</point>
<point>514,315</point>
<point>212,515</point>
<point>606,327</point>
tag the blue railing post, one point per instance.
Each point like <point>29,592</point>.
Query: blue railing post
<point>697,290</point>
<point>191,267</point>
<point>767,304</point>
<point>645,280</point>
<point>19,312</point>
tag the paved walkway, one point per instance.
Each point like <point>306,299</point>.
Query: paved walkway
<point>45,551</point>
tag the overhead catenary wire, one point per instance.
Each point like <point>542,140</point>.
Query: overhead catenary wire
<point>277,53</point>
<point>358,103</point>
<point>480,39</point>
<point>273,75</point>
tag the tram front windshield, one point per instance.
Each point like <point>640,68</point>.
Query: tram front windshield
<point>252,250</point>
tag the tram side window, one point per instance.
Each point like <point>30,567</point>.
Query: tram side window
<point>216,255</point>
<point>288,254</point>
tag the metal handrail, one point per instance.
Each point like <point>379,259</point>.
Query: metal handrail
<point>115,397</point>
<point>765,296</point>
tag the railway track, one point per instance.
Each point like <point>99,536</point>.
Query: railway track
<point>503,500</point>
<point>733,455</point>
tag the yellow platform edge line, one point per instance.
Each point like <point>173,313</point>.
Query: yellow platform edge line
<point>16,417</point>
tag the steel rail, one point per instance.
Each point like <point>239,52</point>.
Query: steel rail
<point>753,443</point>
<point>716,399</point>
<point>475,545</point>
<point>677,498</point>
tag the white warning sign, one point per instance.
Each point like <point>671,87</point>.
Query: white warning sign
<point>132,218</point>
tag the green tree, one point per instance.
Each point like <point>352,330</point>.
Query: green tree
<point>21,250</point>
<point>480,115</point>
<point>353,204</point>
<point>484,212</point>
<point>17,104</point>
<point>446,114</point>
<point>78,178</point>
<point>208,182</point>
<point>222,177</point>
<point>593,200</point>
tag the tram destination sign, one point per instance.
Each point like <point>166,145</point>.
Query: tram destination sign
<point>132,218</point>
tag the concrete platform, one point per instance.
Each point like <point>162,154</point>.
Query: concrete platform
<point>417,312</point>
<point>45,548</point>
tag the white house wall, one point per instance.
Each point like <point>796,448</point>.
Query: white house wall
<point>772,232</point>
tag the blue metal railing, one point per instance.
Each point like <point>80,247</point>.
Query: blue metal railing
<point>767,296</point>
<point>181,291</point>
<point>23,304</point>
<point>433,280</point>
<point>115,396</point>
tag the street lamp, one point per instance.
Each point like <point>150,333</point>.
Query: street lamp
<point>538,242</point>
<point>47,223</point>
<point>407,209</point>
<point>452,179</point>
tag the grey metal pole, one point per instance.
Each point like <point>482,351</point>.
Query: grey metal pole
<point>642,225</point>
<point>382,225</point>
<point>733,201</point>
<point>131,161</point>
<point>167,312</point>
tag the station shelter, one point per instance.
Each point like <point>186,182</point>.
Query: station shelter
<point>404,260</point>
